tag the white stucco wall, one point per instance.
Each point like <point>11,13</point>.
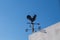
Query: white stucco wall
<point>53,33</point>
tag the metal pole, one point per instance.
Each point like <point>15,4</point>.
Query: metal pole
<point>32,27</point>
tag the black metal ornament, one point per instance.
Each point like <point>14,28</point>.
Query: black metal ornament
<point>32,19</point>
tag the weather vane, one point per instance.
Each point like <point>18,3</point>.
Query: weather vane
<point>32,19</point>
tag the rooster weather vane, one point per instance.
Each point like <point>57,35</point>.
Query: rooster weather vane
<point>32,19</point>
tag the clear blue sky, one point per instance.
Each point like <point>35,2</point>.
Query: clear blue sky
<point>13,16</point>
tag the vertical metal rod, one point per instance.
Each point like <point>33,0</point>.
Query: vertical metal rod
<point>32,27</point>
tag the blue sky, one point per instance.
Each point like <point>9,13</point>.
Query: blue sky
<point>13,16</point>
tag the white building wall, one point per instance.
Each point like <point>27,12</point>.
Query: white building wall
<point>53,33</point>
